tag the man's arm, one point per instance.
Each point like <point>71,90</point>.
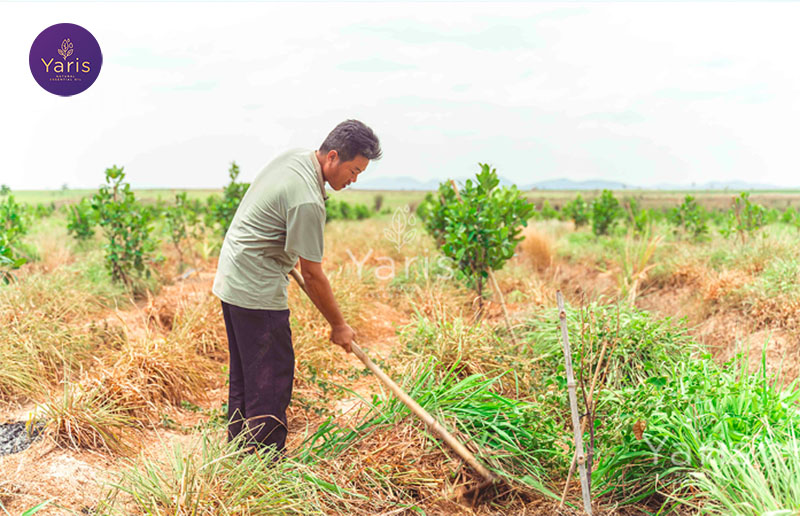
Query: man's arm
<point>319,290</point>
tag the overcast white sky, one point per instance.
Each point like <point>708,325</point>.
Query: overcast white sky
<point>638,93</point>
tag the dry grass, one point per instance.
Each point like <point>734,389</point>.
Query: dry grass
<point>102,411</point>
<point>310,330</point>
<point>86,418</point>
<point>201,326</point>
<point>159,371</point>
<point>537,248</point>
<point>397,467</point>
<point>43,332</point>
<point>453,340</point>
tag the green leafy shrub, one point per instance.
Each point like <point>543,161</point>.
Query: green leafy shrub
<point>181,222</point>
<point>791,217</point>
<point>605,211</point>
<point>127,226</point>
<point>744,218</point>
<point>548,212</point>
<point>577,210</point>
<point>333,210</point>
<point>81,219</point>
<point>639,219</point>
<point>691,218</point>
<point>222,210</point>
<point>42,210</point>
<point>479,228</point>
<point>347,211</point>
<point>771,216</point>
<point>342,210</point>
<point>13,225</point>
<point>361,212</point>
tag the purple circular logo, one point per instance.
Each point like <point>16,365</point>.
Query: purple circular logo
<point>65,59</point>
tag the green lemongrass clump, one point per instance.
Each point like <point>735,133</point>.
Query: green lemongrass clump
<point>638,346</point>
<point>213,477</point>
<point>475,348</point>
<point>504,433</point>
<point>677,424</point>
<point>759,478</point>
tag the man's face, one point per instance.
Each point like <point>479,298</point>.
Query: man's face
<point>339,173</point>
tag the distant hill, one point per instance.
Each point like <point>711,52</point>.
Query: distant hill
<point>568,184</point>
<point>410,183</point>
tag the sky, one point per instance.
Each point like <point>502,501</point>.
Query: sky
<point>640,93</point>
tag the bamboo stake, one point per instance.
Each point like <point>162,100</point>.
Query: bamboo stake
<point>573,402</point>
<point>583,423</point>
<point>409,402</point>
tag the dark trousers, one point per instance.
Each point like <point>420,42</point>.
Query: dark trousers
<point>261,374</point>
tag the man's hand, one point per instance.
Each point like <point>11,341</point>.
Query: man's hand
<point>343,335</point>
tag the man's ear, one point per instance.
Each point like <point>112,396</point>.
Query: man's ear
<point>332,155</point>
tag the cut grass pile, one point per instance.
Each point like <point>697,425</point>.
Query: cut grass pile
<point>376,453</point>
<point>200,324</point>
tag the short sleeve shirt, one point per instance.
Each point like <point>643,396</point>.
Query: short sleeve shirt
<point>281,218</point>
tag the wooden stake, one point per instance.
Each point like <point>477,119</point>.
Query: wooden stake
<point>503,305</point>
<point>583,424</point>
<point>409,402</point>
<point>573,403</point>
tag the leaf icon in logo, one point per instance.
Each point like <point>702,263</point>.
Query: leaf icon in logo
<point>401,231</point>
<point>408,237</point>
<point>66,49</point>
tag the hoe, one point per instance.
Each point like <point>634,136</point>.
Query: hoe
<point>420,412</point>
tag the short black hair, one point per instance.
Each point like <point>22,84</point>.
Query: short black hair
<point>351,138</point>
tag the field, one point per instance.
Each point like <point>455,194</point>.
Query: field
<point>686,349</point>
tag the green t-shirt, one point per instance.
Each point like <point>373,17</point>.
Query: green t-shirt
<point>280,218</point>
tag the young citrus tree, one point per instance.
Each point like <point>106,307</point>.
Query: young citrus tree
<point>479,227</point>
<point>690,217</point>
<point>744,218</point>
<point>181,223</point>
<point>81,220</point>
<point>12,227</point>
<point>221,211</point>
<point>577,210</point>
<point>605,211</point>
<point>127,226</point>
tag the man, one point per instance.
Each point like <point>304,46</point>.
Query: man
<point>281,219</point>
